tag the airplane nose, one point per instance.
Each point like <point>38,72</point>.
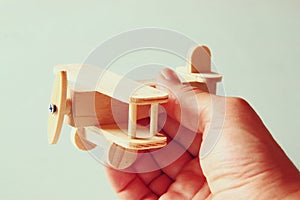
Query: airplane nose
<point>52,108</point>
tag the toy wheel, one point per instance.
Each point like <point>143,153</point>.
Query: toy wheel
<point>79,141</point>
<point>121,158</point>
<point>57,108</point>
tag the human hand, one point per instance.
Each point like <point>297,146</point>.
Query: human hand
<point>245,162</point>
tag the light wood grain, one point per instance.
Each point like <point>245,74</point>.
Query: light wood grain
<point>116,156</point>
<point>198,72</point>
<point>118,136</point>
<point>132,119</point>
<point>94,108</point>
<point>200,60</point>
<point>120,157</point>
<point>58,98</point>
<point>113,85</point>
<point>77,137</point>
<point>153,119</point>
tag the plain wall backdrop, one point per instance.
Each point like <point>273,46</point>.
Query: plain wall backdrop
<point>255,45</point>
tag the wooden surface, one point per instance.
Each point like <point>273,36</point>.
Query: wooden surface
<point>117,156</point>
<point>77,136</point>
<point>121,158</point>
<point>113,85</point>
<point>197,77</point>
<point>198,72</point>
<point>100,110</point>
<point>153,119</point>
<point>59,99</point>
<point>200,60</point>
<point>101,106</point>
<point>132,120</point>
<point>116,135</point>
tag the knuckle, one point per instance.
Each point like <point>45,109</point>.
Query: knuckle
<point>237,103</point>
<point>238,108</point>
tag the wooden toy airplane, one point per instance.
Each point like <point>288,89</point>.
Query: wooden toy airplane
<point>90,110</point>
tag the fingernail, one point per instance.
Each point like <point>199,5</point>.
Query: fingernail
<point>169,75</point>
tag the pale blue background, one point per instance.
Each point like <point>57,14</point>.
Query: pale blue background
<point>255,44</point>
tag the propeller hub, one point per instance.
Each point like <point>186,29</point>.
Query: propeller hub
<point>52,108</point>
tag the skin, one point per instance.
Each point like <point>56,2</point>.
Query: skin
<point>245,163</point>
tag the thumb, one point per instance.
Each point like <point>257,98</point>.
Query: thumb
<point>187,104</point>
<point>238,154</point>
<point>194,109</point>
